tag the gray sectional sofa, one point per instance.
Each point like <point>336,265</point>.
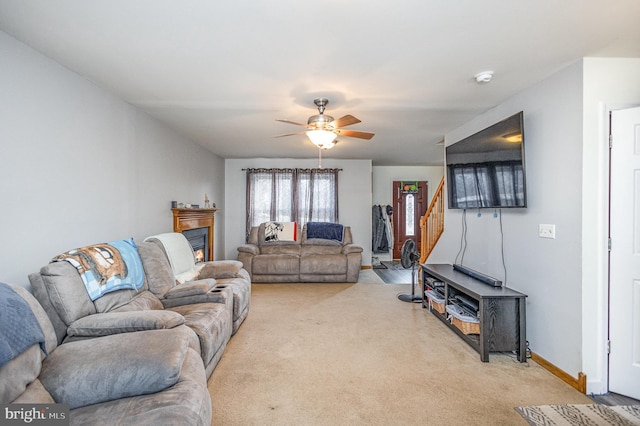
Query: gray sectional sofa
<point>148,377</point>
<point>303,259</point>
<point>131,356</point>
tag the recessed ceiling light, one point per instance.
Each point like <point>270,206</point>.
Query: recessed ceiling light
<point>484,77</point>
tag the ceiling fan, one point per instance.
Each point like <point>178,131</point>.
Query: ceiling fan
<point>323,129</point>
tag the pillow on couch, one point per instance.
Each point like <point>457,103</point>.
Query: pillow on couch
<point>325,231</point>
<point>272,232</point>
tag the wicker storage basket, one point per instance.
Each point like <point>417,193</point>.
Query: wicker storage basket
<point>463,321</point>
<point>466,327</point>
<point>435,301</point>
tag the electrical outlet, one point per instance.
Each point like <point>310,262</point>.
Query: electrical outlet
<point>546,231</point>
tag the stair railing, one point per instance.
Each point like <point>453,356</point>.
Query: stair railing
<point>432,223</point>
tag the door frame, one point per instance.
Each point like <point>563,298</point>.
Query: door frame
<point>609,115</point>
<point>595,275</point>
<point>395,194</point>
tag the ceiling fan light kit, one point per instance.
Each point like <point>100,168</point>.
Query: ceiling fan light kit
<point>322,138</point>
<point>322,129</point>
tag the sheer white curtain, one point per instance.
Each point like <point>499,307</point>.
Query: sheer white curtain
<point>291,195</point>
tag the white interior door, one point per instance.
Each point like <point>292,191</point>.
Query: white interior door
<point>624,301</point>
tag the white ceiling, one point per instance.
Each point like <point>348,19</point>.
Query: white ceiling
<point>221,72</point>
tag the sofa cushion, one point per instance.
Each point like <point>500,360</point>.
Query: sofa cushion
<point>321,242</point>
<point>212,323</point>
<point>192,288</point>
<point>252,238</point>
<point>323,264</point>
<point>140,363</point>
<point>320,249</point>
<point>283,248</point>
<point>186,403</point>
<point>34,394</point>
<point>123,322</point>
<point>276,264</point>
<point>156,267</point>
<point>144,301</point>
<point>220,269</point>
<point>66,291</point>
<point>241,288</point>
<point>19,372</point>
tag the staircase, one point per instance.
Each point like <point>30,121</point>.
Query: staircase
<point>432,223</point>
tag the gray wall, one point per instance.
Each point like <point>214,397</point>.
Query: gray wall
<point>566,170</point>
<point>548,271</point>
<point>79,166</point>
<point>354,197</point>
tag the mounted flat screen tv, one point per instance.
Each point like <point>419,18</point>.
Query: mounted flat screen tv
<point>486,169</point>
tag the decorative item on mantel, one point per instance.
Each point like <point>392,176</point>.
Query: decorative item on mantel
<point>206,201</point>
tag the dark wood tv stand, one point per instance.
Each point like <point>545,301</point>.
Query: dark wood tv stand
<point>501,311</point>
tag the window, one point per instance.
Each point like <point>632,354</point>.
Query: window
<point>409,225</point>
<point>291,195</point>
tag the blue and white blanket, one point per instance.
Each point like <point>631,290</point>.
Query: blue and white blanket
<point>107,267</point>
<point>325,230</point>
<point>19,328</point>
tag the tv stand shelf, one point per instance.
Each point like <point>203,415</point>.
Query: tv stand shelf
<point>501,311</point>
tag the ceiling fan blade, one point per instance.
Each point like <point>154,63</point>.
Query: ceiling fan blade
<point>290,134</point>
<point>292,122</point>
<point>347,120</point>
<point>355,134</point>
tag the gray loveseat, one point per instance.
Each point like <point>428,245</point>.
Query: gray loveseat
<point>304,260</point>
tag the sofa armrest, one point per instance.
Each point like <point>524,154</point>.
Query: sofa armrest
<point>220,269</point>
<point>191,288</point>
<point>351,248</point>
<point>214,295</point>
<point>113,367</point>
<point>108,323</point>
<point>249,248</point>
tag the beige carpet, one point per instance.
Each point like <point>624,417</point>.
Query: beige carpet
<point>353,354</point>
<point>369,276</point>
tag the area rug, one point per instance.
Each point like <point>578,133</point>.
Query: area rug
<point>572,414</point>
<point>393,265</point>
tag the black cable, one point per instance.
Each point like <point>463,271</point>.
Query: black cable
<point>463,237</point>
<point>504,265</point>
